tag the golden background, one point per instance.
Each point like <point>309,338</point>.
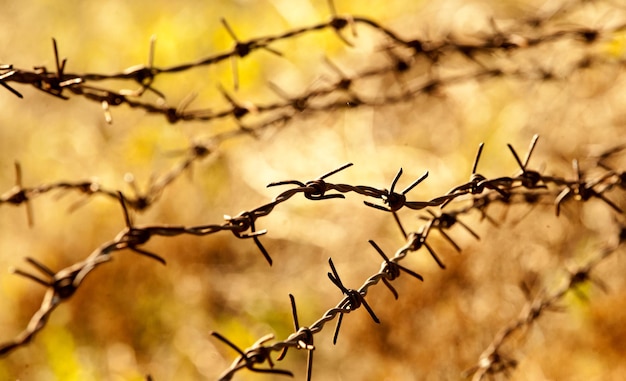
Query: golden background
<point>133,317</point>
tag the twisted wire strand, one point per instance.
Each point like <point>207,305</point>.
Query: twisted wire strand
<point>492,359</point>
<point>62,84</point>
<point>62,285</point>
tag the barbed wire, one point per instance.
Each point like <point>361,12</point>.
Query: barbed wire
<point>321,99</point>
<point>280,113</point>
<point>61,285</point>
<point>140,201</point>
<point>259,353</point>
<point>492,360</point>
<point>477,194</point>
<point>62,84</point>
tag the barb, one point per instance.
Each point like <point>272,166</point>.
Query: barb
<point>18,195</point>
<point>242,50</point>
<point>6,75</point>
<point>444,222</point>
<point>257,354</point>
<point>478,183</point>
<point>529,179</point>
<point>304,339</point>
<point>354,299</point>
<point>144,75</point>
<point>395,201</point>
<point>61,286</point>
<point>392,269</point>
<point>581,190</point>
<point>132,237</point>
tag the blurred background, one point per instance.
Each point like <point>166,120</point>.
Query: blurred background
<point>133,317</point>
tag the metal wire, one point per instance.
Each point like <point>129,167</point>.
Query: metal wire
<point>61,285</point>
<point>443,212</point>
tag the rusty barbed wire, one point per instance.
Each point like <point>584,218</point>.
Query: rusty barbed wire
<point>140,201</point>
<point>478,194</point>
<point>415,241</point>
<point>62,84</point>
<point>339,94</point>
<point>62,284</point>
<point>493,360</point>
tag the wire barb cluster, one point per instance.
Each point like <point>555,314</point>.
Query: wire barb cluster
<point>405,55</point>
<point>390,268</point>
<point>63,284</point>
